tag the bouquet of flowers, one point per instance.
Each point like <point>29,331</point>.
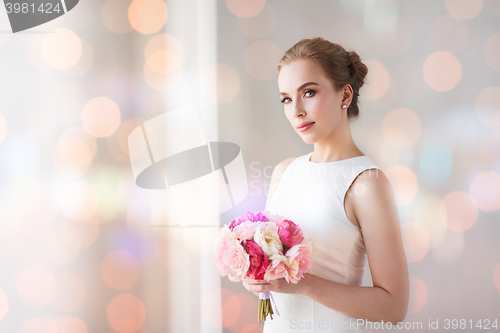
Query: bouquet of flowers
<point>262,246</point>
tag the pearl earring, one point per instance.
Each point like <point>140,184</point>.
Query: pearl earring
<point>344,106</point>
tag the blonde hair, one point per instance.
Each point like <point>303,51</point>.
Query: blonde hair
<point>340,66</point>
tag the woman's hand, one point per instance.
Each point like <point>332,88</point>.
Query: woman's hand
<point>279,286</point>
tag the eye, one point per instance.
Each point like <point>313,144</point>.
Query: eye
<point>311,92</point>
<point>284,99</point>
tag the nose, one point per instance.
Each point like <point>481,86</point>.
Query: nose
<point>298,108</point>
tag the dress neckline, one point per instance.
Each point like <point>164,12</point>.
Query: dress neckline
<point>329,163</point>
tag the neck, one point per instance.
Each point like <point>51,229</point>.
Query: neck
<point>336,146</point>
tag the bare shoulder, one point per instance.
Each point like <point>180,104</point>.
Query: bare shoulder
<point>372,186</point>
<point>276,177</point>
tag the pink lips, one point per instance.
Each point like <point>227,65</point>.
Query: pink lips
<point>305,126</point>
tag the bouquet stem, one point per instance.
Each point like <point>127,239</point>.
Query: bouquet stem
<point>265,307</point>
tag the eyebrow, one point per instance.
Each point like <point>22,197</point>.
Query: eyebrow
<point>302,87</point>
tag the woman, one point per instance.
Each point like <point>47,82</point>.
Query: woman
<point>342,201</point>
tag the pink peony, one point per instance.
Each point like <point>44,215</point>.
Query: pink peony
<point>245,230</point>
<point>290,233</point>
<point>277,269</point>
<point>258,260</point>
<point>299,260</point>
<point>259,217</point>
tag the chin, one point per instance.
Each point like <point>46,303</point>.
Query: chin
<point>309,140</point>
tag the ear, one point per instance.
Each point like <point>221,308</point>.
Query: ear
<point>347,95</point>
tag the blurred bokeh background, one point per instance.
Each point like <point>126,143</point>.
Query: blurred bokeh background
<point>84,249</point>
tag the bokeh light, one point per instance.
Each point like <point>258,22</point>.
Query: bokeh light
<point>67,324</point>
<point>392,36</point>
<point>120,269</point>
<point>164,62</point>
<point>4,304</point>
<point>78,234</point>
<point>36,325</point>
<point>401,128</point>
<point>71,292</point>
<point>126,313</point>
<point>118,144</point>
<point>231,308</point>
<point>404,183</point>
<point>3,127</point>
<point>261,58</point>
<point>79,132</point>
<point>378,81</point>
<point>78,201</point>
<point>464,9</point>
<point>74,152</point>
<point>62,49</point>
<point>458,211</point>
<point>115,16</point>
<point>488,106</point>
<point>260,25</point>
<point>83,64</point>
<point>101,117</point>
<point>442,71</point>
<point>108,203</point>
<point>244,8</point>
<point>164,42</point>
<point>162,82</point>
<point>418,294</point>
<point>435,165</point>
<point>427,215</point>
<point>485,189</point>
<point>36,285</point>
<point>496,277</point>
<point>228,82</point>
<point>492,51</point>
<point>448,33</point>
<point>416,241</point>
<point>248,311</point>
<point>147,16</point>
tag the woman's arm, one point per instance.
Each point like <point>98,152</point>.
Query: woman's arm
<point>376,211</point>
<point>387,300</point>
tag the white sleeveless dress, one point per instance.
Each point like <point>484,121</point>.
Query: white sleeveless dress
<point>312,195</point>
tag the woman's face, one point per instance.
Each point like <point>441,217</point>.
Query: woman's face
<point>308,96</point>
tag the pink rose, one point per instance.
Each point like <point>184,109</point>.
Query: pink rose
<point>259,217</point>
<point>245,230</point>
<point>277,269</point>
<point>299,260</point>
<point>220,248</point>
<point>236,259</point>
<point>258,260</point>
<point>290,233</point>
